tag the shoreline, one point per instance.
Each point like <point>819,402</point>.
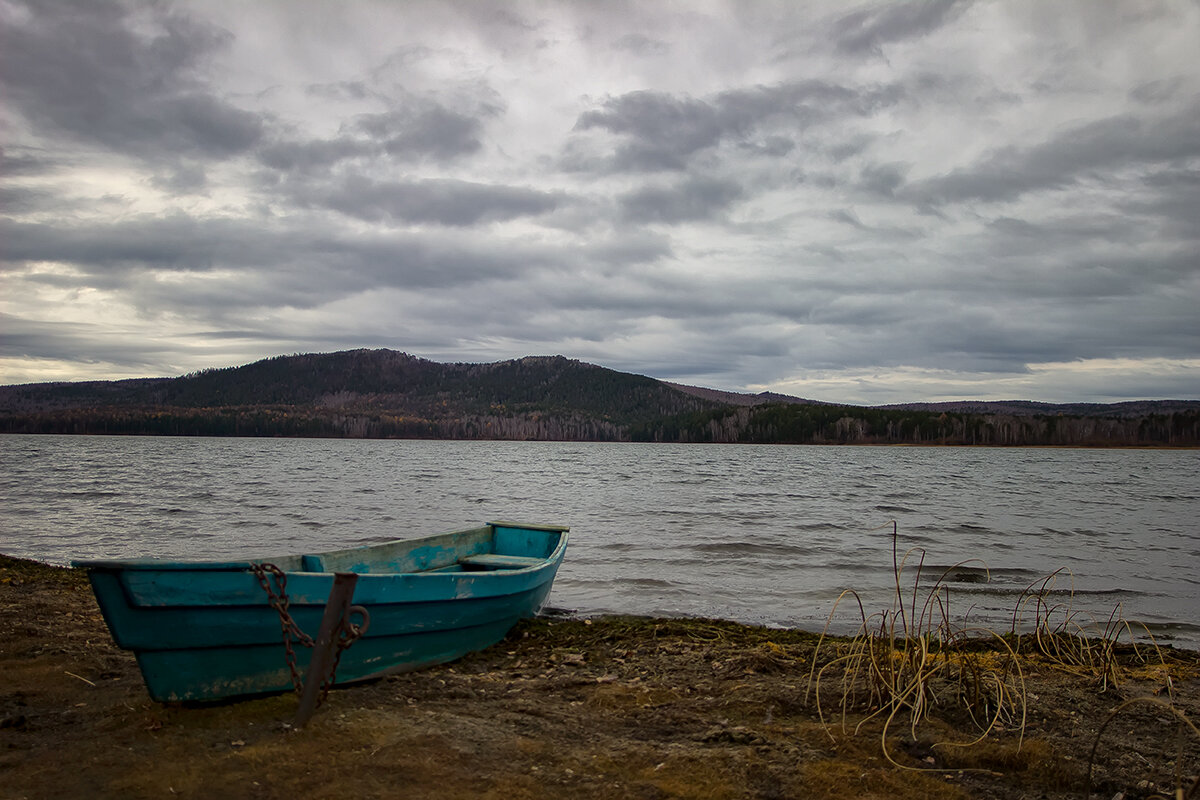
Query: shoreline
<point>604,707</point>
<point>1147,640</point>
<point>948,445</point>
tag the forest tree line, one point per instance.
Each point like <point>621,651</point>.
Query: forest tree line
<point>386,394</point>
<point>823,424</point>
<point>771,424</point>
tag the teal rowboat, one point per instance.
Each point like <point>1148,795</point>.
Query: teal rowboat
<point>203,630</point>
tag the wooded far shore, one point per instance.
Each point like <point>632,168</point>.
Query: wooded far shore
<point>386,394</point>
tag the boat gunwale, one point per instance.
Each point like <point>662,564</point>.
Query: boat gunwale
<point>169,565</point>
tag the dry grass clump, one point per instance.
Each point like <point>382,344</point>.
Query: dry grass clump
<point>909,659</point>
<point>1052,630</point>
<point>1070,640</point>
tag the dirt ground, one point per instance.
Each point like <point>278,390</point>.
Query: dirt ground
<point>602,708</point>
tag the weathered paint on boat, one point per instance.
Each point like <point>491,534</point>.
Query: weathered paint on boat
<point>203,630</point>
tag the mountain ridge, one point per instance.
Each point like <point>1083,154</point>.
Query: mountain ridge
<point>387,393</point>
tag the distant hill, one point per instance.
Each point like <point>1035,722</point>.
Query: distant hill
<point>359,393</point>
<point>1134,408</point>
<point>388,394</point>
<point>743,398</point>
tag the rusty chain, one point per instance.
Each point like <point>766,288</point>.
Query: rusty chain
<point>348,633</point>
<point>278,599</point>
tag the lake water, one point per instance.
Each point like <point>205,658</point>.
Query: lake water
<point>761,534</point>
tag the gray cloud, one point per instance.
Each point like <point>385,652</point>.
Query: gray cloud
<point>181,178</point>
<point>629,248</point>
<point>689,200</point>
<point>641,45</point>
<point>23,200</point>
<point>883,179</point>
<point>315,155</point>
<point>846,217</point>
<point>412,131</point>
<point>1060,162</point>
<point>86,71</point>
<point>177,242</point>
<point>868,29</point>
<point>77,343</point>
<point>434,132</point>
<point>663,132</point>
<point>445,202</point>
<point>317,263</point>
<point>23,164</point>
<point>771,146</point>
<point>1168,204</point>
<point>1158,91</point>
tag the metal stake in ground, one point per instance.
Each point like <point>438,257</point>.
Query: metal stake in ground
<point>326,648</point>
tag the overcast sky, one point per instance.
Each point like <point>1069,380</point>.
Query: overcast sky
<point>854,203</point>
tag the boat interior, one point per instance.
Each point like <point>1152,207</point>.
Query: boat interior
<point>491,547</point>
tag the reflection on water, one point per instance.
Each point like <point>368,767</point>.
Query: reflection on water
<point>763,534</point>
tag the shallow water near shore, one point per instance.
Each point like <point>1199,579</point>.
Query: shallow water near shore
<point>760,534</point>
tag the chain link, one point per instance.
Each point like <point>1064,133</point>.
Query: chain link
<point>348,633</point>
<point>279,600</point>
<point>277,597</point>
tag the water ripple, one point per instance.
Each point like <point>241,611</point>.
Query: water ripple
<point>770,534</point>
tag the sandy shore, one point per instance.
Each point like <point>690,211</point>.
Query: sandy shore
<point>605,708</point>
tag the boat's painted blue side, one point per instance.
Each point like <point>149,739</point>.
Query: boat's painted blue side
<point>205,630</point>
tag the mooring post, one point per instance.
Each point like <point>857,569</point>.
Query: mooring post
<point>325,647</point>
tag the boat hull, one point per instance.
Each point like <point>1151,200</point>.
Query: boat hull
<point>206,630</point>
